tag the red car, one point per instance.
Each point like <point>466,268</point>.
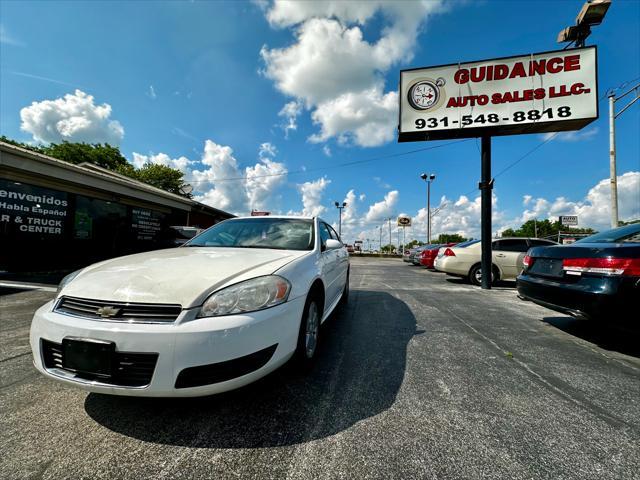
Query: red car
<point>428,255</point>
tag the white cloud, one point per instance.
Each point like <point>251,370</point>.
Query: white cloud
<point>290,112</point>
<point>7,39</point>
<point>181,163</point>
<point>267,150</point>
<point>151,93</point>
<point>326,150</point>
<point>219,181</point>
<point>368,118</point>
<point>594,209</point>
<point>74,118</point>
<point>573,136</point>
<point>383,209</point>
<point>335,71</point>
<point>263,180</point>
<point>311,193</point>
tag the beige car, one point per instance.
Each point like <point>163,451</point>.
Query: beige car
<point>463,260</point>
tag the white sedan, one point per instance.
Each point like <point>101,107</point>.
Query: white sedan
<point>463,260</point>
<point>230,306</point>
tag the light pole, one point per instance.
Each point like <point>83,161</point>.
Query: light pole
<point>592,13</point>
<point>428,178</point>
<point>380,231</point>
<point>340,207</point>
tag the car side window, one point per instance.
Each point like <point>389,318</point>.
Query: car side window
<point>334,234</point>
<point>511,245</point>
<point>324,235</point>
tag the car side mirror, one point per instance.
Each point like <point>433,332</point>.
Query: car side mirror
<point>332,244</point>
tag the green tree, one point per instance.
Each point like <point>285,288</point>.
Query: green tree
<point>103,155</point>
<point>543,228</point>
<point>388,248</point>
<point>449,238</point>
<point>412,244</point>
<point>161,176</point>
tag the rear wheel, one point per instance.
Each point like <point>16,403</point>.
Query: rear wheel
<point>475,275</point>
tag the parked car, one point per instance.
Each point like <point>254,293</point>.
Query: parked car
<point>415,255</point>
<point>228,307</point>
<point>596,277</point>
<point>428,256</point>
<point>438,263</point>
<point>507,253</point>
<point>406,256</point>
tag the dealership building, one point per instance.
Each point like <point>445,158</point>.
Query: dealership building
<point>56,216</point>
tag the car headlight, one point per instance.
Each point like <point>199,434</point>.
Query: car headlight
<point>248,296</point>
<point>66,280</point>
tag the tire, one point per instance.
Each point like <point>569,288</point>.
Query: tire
<point>475,275</point>
<point>309,334</point>
<point>345,293</point>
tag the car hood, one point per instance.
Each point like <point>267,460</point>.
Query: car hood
<point>178,275</point>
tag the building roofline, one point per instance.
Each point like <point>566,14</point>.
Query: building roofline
<point>108,175</point>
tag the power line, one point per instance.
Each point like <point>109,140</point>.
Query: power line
<point>330,167</point>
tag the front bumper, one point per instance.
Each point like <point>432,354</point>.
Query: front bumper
<point>610,298</point>
<point>201,347</point>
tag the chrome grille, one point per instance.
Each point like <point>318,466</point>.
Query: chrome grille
<point>118,311</point>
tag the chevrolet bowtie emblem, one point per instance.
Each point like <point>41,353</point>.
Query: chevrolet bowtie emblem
<point>107,312</point>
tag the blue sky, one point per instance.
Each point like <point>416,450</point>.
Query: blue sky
<point>202,86</point>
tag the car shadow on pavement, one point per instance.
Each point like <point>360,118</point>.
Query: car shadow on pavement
<point>359,370</point>
<point>610,337</point>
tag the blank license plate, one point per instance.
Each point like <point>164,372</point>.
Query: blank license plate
<point>88,356</point>
<point>548,267</point>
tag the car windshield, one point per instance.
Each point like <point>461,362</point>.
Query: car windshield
<point>626,234</point>
<point>274,233</point>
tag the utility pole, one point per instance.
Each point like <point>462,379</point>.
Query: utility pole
<point>390,241</point>
<point>612,147</point>
<point>380,231</point>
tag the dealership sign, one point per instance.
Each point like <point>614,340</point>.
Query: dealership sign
<point>568,220</point>
<point>404,221</point>
<point>540,92</point>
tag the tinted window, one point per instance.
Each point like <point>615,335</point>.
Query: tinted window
<point>626,234</point>
<point>276,233</point>
<point>325,234</point>
<point>511,245</point>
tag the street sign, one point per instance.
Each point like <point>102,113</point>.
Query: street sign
<point>404,221</point>
<point>539,92</point>
<point>568,220</point>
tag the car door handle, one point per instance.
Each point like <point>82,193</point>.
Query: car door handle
<point>500,255</point>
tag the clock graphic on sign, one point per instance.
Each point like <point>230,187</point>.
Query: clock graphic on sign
<point>425,93</point>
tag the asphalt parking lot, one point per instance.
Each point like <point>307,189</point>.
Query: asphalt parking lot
<point>420,377</point>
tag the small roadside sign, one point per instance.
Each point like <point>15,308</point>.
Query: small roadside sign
<point>568,220</point>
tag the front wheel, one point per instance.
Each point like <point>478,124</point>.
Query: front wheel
<point>345,293</point>
<point>309,335</point>
<point>475,275</point>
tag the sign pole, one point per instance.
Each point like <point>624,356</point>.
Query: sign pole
<point>486,185</point>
